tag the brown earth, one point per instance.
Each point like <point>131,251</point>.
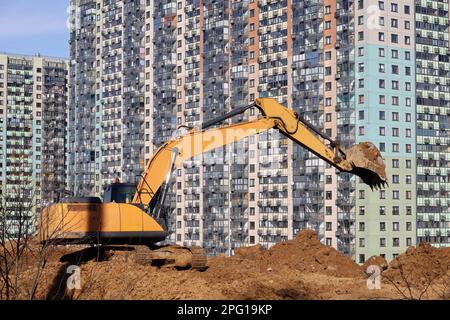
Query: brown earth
<point>302,268</point>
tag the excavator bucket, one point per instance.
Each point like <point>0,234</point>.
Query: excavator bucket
<point>368,164</point>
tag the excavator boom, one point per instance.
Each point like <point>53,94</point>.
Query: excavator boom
<point>363,160</point>
<point>117,221</point>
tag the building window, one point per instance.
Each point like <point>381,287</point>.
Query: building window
<point>382,226</point>
<point>361,131</point>
<point>394,23</point>
<point>408,242</point>
<point>361,83</point>
<point>408,210</point>
<point>382,210</point>
<point>362,210</point>
<point>394,7</point>
<point>408,226</point>
<point>408,179</point>
<point>381,68</point>
<point>395,163</point>
<point>395,194</point>
<point>395,179</point>
<point>395,226</point>
<point>382,242</point>
<point>360,36</point>
<point>394,38</point>
<point>361,115</point>
<point>395,210</point>
<point>407,40</point>
<point>395,242</point>
<point>362,242</point>
<point>361,194</point>
<point>408,117</point>
<point>408,194</point>
<point>380,36</point>
<point>329,226</point>
<point>394,85</point>
<point>360,67</point>
<point>361,99</point>
<point>408,148</point>
<point>395,116</point>
<point>362,258</point>
<point>362,226</point>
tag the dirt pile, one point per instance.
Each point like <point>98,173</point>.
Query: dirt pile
<point>419,270</point>
<point>304,253</point>
<point>302,268</point>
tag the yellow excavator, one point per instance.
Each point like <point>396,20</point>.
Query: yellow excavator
<point>134,215</point>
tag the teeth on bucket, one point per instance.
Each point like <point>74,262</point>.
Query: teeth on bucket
<point>368,164</point>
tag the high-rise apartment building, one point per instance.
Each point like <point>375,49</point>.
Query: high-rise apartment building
<point>33,106</point>
<point>106,106</point>
<point>384,113</point>
<point>433,122</point>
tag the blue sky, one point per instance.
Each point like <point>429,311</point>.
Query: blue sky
<point>34,26</point>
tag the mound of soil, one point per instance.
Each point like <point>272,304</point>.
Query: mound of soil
<point>420,269</point>
<point>302,268</point>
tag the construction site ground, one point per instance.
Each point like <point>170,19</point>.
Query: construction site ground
<point>302,268</point>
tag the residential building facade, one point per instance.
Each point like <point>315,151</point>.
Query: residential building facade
<point>348,67</point>
<point>433,122</point>
<point>106,104</point>
<point>33,105</point>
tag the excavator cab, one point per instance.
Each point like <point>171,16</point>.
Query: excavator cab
<point>119,192</point>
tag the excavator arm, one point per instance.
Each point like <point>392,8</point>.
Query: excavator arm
<point>363,159</point>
